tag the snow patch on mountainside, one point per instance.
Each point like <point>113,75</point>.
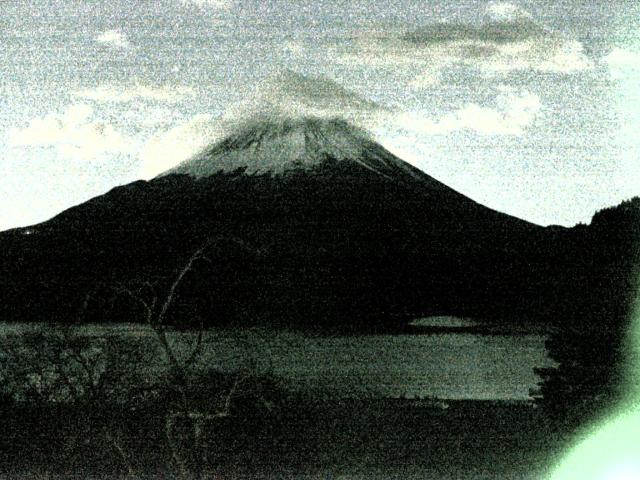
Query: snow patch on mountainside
<point>277,144</point>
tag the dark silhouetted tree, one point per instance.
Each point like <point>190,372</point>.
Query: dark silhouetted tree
<point>590,342</point>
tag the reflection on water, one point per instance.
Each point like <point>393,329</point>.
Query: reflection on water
<point>445,322</point>
<point>445,365</point>
<point>448,365</point>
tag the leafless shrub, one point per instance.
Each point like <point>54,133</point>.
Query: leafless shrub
<point>154,373</point>
<point>187,419</point>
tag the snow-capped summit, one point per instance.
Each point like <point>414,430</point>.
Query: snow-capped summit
<point>276,145</point>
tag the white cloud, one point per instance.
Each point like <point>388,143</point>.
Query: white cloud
<point>512,114</point>
<point>167,149</point>
<point>74,133</point>
<point>545,55</point>
<point>292,94</point>
<point>213,4</point>
<point>113,38</point>
<point>293,48</point>
<point>507,40</point>
<point>622,63</point>
<point>568,57</point>
<point>620,57</point>
<point>122,94</point>
<point>502,11</point>
<point>285,93</point>
<point>425,80</point>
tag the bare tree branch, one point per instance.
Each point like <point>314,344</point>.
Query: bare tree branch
<point>197,349</point>
<point>123,455</point>
<point>148,308</point>
<point>197,255</point>
<point>156,307</point>
<point>177,459</point>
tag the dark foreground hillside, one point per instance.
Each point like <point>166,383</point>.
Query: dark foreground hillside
<point>329,439</point>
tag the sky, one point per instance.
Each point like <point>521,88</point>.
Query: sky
<point>531,108</point>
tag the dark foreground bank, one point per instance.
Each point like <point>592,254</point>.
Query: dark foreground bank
<point>290,438</point>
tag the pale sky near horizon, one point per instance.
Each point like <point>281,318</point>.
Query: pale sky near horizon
<point>531,108</point>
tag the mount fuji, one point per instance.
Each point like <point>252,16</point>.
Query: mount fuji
<point>308,221</point>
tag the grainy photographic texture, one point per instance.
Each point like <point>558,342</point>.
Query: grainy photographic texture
<point>336,239</point>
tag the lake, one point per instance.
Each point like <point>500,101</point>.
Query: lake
<point>450,365</point>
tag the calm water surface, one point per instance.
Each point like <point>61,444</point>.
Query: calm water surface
<point>445,365</point>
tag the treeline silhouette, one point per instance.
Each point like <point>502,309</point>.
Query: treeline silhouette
<point>592,341</point>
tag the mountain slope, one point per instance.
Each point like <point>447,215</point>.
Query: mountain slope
<point>277,145</point>
<point>309,222</point>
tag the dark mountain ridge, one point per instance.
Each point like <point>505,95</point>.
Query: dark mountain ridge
<point>307,222</point>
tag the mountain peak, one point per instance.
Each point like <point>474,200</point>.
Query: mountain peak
<point>278,144</point>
